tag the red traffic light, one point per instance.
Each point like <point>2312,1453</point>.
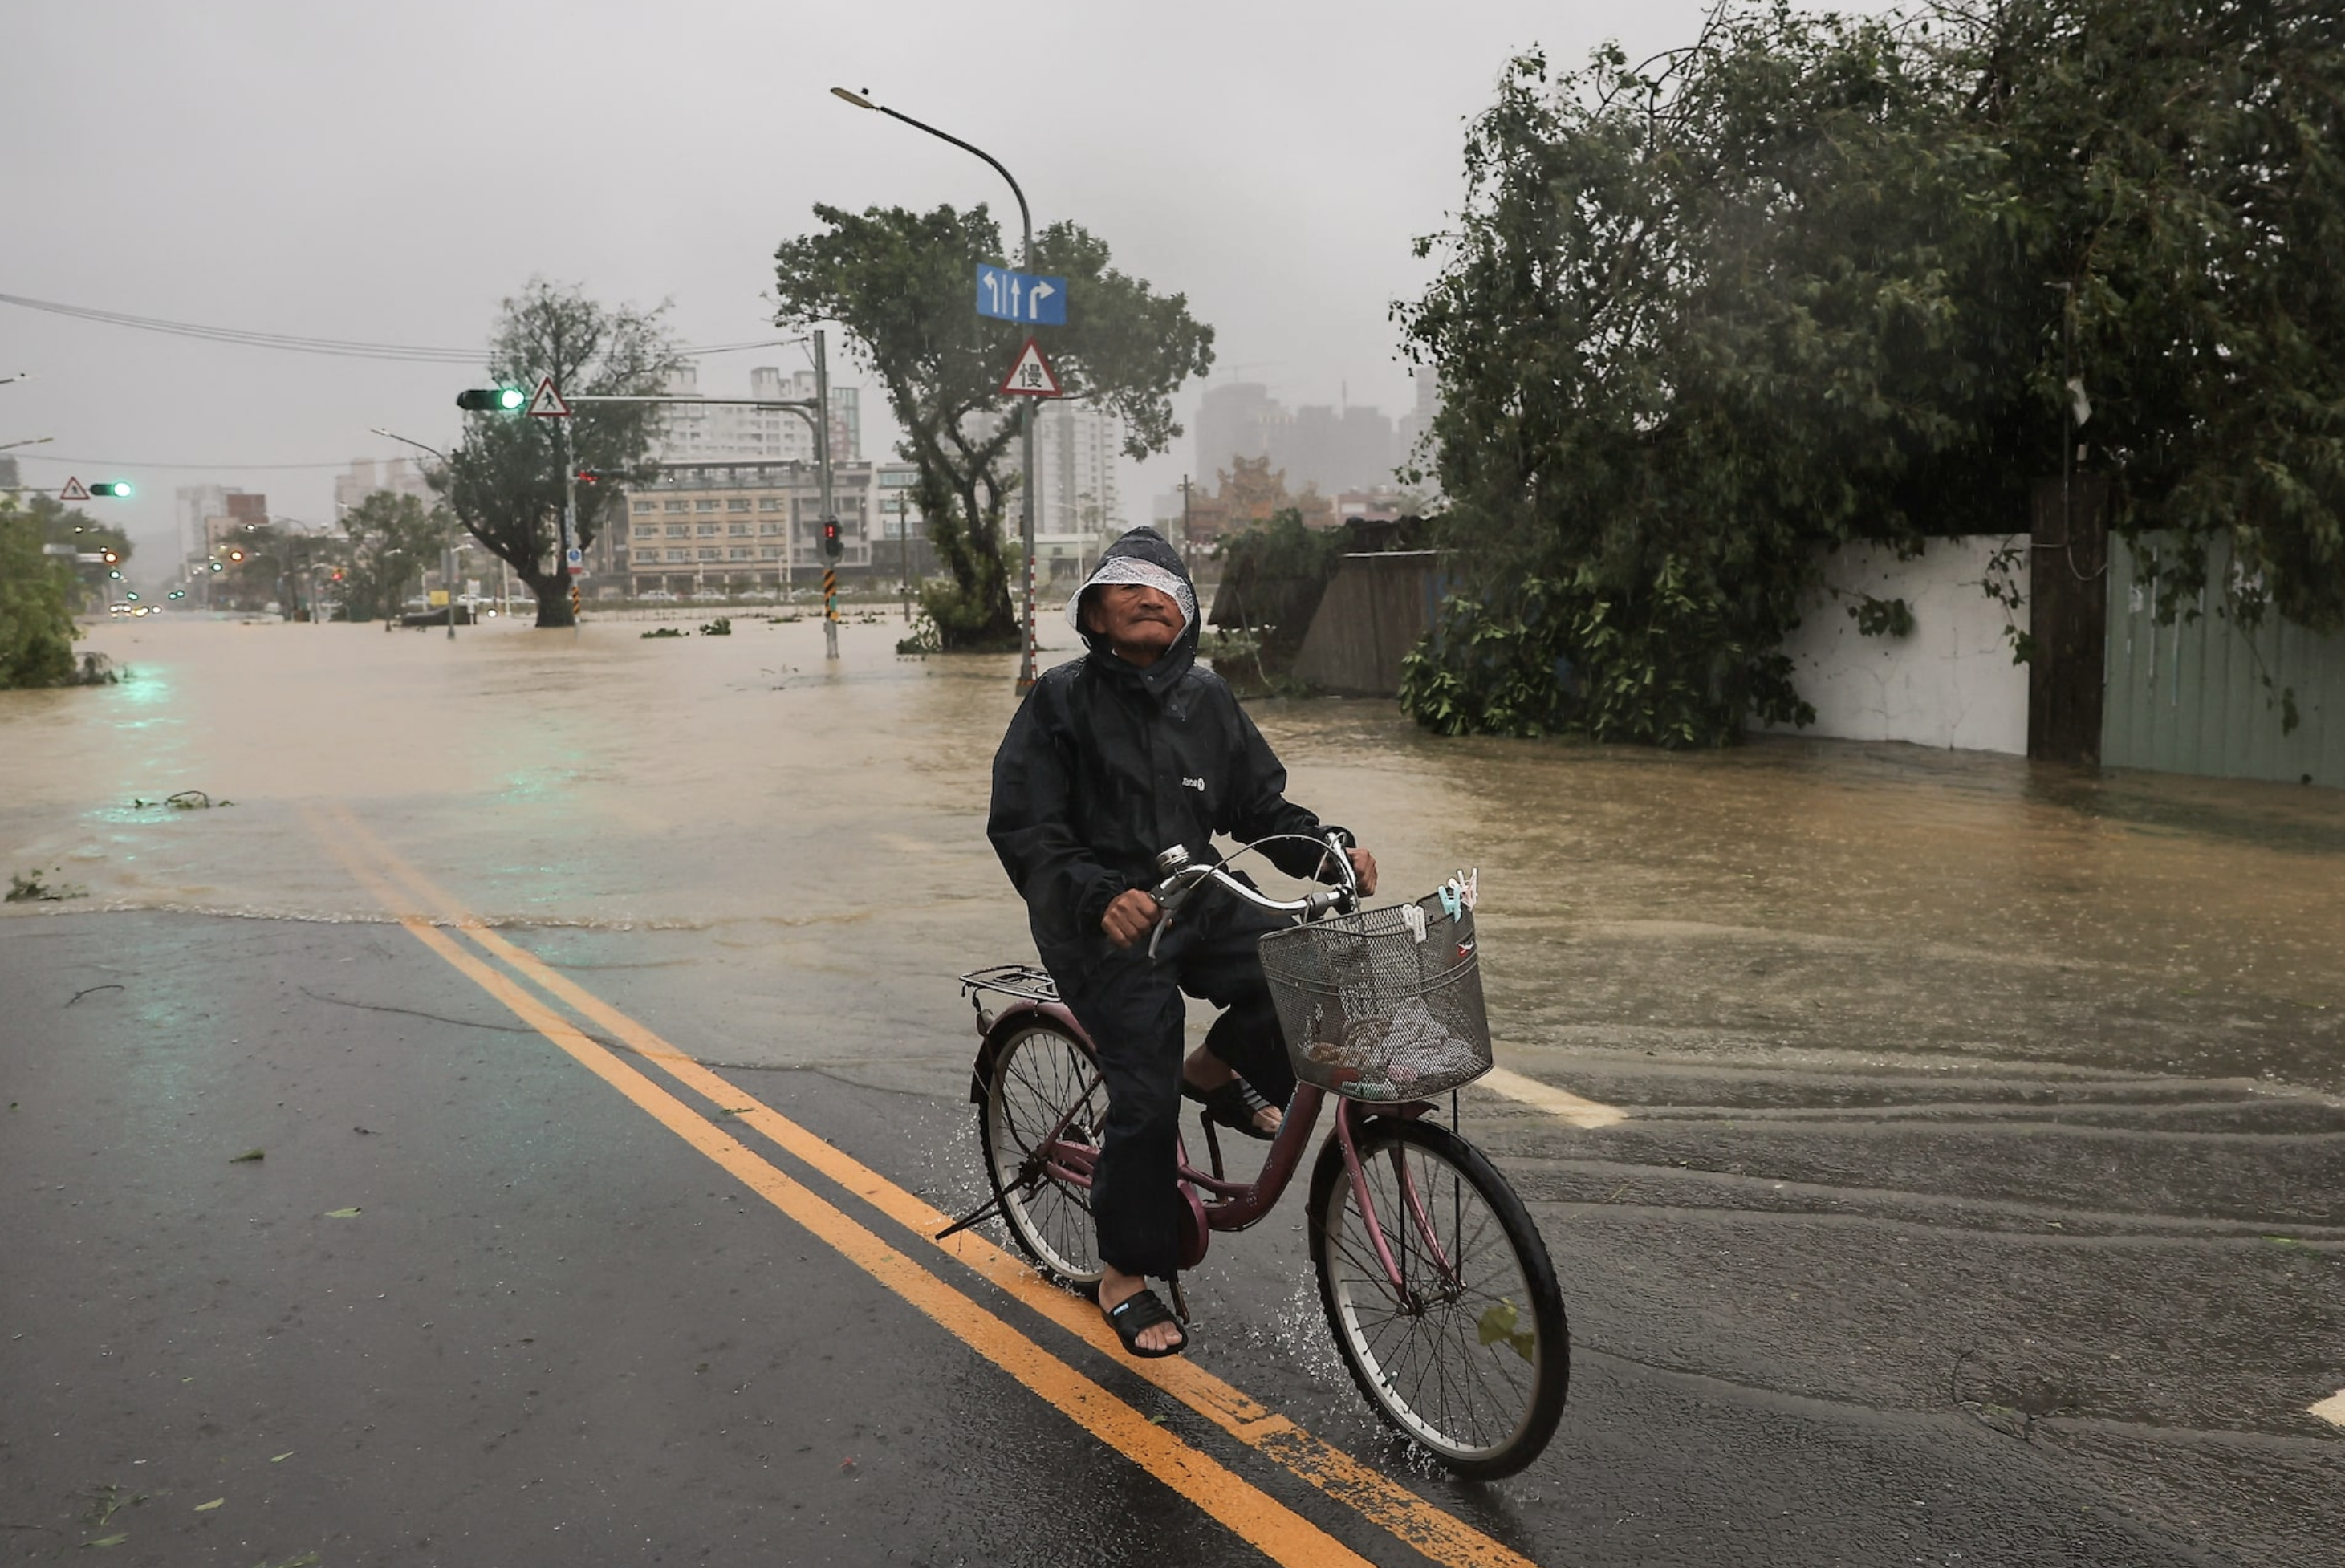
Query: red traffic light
<point>833,543</point>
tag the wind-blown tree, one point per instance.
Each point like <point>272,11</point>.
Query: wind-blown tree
<point>903,285</point>
<point>392,539</point>
<point>506,480</point>
<point>36,595</point>
<point>1809,280</point>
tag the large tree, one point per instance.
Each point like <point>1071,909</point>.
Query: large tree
<point>1813,279</point>
<point>903,285</point>
<point>506,480</point>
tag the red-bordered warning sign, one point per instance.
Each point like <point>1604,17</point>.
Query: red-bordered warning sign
<point>1032,376</point>
<point>546,403</point>
<point>74,490</point>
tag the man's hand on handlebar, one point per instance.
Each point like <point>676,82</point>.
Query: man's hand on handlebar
<point>1134,914</point>
<point>1363,866</point>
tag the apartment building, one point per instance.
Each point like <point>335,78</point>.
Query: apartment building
<point>727,432</point>
<point>744,527</point>
<point>366,476</point>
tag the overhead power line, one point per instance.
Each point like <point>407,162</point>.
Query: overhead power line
<point>171,468</point>
<point>342,348</point>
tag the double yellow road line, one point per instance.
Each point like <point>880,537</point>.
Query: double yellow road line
<point>438,920</point>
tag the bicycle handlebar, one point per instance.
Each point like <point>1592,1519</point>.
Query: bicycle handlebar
<point>1183,877</point>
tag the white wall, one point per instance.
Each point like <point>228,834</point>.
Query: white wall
<point>1948,683</point>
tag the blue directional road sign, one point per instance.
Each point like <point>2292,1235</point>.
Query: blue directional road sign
<point>1008,296</point>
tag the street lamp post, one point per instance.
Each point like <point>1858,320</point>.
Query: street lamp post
<point>1026,409</point>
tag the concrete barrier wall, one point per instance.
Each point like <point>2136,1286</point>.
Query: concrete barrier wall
<point>1376,610</point>
<point>1948,683</point>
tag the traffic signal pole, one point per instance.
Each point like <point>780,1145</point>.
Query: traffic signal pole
<point>816,413</point>
<point>829,529</point>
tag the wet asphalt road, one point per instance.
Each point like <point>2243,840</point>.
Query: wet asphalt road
<point>552,1332</point>
<point>1978,1197</point>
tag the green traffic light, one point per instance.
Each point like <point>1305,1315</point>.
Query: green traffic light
<point>118,488</point>
<point>491,400</point>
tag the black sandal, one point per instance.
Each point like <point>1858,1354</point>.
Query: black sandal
<point>1233,1105</point>
<point>1143,1309</point>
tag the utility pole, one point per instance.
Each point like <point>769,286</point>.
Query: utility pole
<point>818,415</point>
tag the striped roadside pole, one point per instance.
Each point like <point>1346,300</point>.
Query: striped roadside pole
<point>829,594</point>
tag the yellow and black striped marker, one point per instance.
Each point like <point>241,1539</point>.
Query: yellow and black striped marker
<point>829,594</point>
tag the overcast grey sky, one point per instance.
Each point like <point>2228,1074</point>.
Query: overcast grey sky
<point>389,173</point>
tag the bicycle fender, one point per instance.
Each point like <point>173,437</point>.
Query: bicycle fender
<point>1012,1017</point>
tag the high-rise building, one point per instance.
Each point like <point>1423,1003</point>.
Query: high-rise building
<point>1418,420</point>
<point>1075,450</point>
<point>727,432</point>
<point>1316,447</point>
<point>366,477</point>
<point>1078,503</point>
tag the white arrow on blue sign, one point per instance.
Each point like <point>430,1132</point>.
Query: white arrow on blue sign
<point>1008,296</point>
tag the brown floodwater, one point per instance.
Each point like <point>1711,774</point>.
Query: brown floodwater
<point>804,812</point>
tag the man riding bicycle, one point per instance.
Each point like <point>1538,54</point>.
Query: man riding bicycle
<point>1111,759</point>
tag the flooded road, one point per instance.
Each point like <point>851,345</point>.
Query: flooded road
<point>1959,1092</point>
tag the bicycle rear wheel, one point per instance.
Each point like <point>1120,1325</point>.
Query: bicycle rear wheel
<point>1044,1087</point>
<point>1469,1354</point>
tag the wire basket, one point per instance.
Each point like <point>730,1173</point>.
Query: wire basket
<point>1373,1009</point>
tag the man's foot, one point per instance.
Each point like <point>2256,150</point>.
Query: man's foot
<point>1138,1317</point>
<point>1228,1098</point>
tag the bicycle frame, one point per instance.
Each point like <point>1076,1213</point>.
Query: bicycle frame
<point>1229,1205</point>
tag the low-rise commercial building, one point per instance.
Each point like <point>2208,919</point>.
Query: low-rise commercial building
<point>744,527</point>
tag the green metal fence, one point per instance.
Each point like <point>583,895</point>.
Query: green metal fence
<point>2203,695</point>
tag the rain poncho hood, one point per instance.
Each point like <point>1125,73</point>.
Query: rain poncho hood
<point>1144,555</point>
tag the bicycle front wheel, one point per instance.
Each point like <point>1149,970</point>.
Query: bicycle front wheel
<point>1045,1091</point>
<point>1461,1343</point>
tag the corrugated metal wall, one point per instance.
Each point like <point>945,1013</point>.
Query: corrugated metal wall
<point>2191,697</point>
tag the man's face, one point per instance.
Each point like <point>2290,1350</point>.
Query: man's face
<point>1140,622</point>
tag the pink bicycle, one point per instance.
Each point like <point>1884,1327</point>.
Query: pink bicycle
<point>1437,1286</point>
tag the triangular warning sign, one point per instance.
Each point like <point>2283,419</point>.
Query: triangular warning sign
<point>546,403</point>
<point>74,490</point>
<point>1032,376</point>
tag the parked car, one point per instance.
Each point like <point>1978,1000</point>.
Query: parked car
<point>658,596</point>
